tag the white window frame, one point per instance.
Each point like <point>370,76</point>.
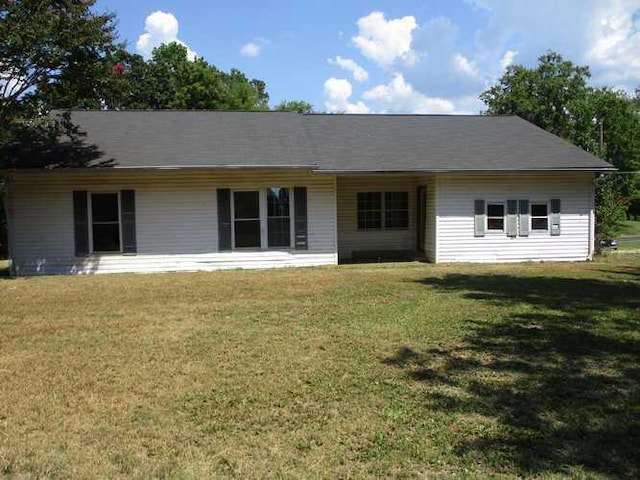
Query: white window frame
<point>504,217</point>
<point>383,212</point>
<point>264,219</point>
<point>90,218</point>
<point>531,217</point>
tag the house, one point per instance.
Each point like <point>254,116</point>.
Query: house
<point>205,190</point>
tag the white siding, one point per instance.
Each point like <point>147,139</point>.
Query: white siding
<point>430,244</point>
<point>351,239</point>
<point>176,220</point>
<point>455,197</point>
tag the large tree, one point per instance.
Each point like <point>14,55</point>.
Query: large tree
<point>46,44</point>
<point>556,96</point>
<point>168,80</point>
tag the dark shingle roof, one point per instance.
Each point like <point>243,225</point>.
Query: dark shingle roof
<point>371,143</point>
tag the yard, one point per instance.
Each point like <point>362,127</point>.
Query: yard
<point>403,370</point>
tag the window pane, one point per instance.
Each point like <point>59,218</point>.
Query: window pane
<point>246,204</point>
<point>369,201</point>
<point>396,201</point>
<point>539,210</point>
<point>106,237</point>
<point>277,202</point>
<point>104,207</point>
<point>495,210</point>
<point>369,220</point>
<point>369,210</point>
<point>247,233</point>
<point>495,224</point>
<point>398,220</point>
<point>539,223</point>
<point>279,232</point>
<point>396,210</point>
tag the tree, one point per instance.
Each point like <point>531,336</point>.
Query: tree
<point>169,80</point>
<point>555,96</point>
<point>551,96</point>
<point>47,44</point>
<point>294,106</point>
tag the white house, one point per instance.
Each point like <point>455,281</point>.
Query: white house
<point>203,190</point>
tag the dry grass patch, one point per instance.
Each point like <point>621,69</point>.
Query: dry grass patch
<point>390,370</point>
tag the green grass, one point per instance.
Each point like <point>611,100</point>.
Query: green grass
<point>635,245</point>
<point>394,370</point>
<point>630,227</point>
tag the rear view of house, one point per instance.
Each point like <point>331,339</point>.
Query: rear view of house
<point>196,190</point>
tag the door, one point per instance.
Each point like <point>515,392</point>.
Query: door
<point>421,213</point>
<point>246,219</point>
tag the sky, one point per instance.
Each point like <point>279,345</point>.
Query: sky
<point>389,56</point>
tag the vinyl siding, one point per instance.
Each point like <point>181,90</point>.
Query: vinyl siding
<point>455,197</point>
<point>176,220</point>
<point>351,239</point>
<point>430,244</point>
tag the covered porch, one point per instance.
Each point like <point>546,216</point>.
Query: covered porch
<point>385,217</point>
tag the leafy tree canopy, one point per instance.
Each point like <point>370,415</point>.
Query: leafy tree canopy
<point>298,106</point>
<point>49,42</point>
<point>168,80</point>
<point>46,44</point>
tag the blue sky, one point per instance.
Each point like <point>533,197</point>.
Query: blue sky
<point>389,56</point>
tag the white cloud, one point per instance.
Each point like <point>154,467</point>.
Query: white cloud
<point>615,41</point>
<point>507,59</point>
<point>464,66</point>
<point>399,96</point>
<point>385,41</point>
<point>359,73</point>
<point>160,28</point>
<point>603,34</point>
<point>337,92</point>
<point>250,49</point>
<point>254,48</point>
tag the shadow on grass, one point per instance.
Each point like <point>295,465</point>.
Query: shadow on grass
<point>558,376</point>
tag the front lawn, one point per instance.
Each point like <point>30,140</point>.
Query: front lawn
<point>630,227</point>
<point>398,370</point>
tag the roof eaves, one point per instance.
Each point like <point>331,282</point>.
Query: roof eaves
<point>465,171</point>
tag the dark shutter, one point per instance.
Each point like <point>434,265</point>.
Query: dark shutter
<point>512,218</point>
<point>479,220</point>
<point>128,221</point>
<point>300,222</point>
<point>224,219</point>
<point>555,217</point>
<point>524,218</point>
<point>80,223</point>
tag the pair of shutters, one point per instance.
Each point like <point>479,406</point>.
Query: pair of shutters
<point>515,209</point>
<point>300,219</point>
<point>127,221</point>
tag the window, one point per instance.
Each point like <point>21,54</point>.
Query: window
<point>495,216</point>
<point>105,222</point>
<point>539,216</point>
<point>246,224</point>
<point>258,211</point>
<point>376,210</point>
<point>369,210</point>
<point>396,210</point>
<point>278,217</point>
